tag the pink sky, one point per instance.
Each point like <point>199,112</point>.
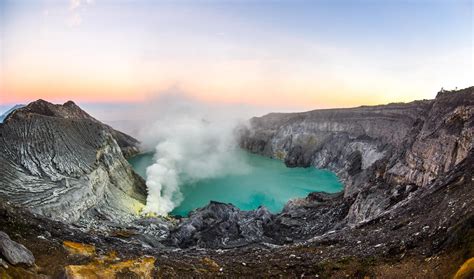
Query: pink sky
<point>108,51</point>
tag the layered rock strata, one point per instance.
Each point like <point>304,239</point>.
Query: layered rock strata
<point>381,153</point>
<point>60,162</point>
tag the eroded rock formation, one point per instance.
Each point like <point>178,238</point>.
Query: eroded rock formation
<point>60,162</point>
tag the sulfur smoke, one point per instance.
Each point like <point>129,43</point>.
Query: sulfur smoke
<point>191,141</point>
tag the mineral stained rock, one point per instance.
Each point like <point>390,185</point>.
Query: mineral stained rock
<point>109,265</point>
<point>135,268</point>
<point>81,249</point>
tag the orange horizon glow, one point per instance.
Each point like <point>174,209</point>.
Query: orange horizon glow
<point>333,100</point>
<point>106,52</point>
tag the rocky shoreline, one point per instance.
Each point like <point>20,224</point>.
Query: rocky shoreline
<point>407,208</point>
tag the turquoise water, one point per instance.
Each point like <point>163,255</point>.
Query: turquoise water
<point>268,182</point>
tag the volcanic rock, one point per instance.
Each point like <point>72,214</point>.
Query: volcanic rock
<point>14,252</point>
<point>381,153</point>
<point>60,162</point>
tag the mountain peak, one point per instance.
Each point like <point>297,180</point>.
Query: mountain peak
<point>70,104</point>
<point>42,107</point>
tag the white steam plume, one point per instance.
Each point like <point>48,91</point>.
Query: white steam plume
<point>192,141</point>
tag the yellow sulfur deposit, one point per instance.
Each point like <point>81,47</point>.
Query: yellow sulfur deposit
<point>211,264</point>
<point>141,268</point>
<point>106,266</point>
<point>82,249</point>
<point>466,270</point>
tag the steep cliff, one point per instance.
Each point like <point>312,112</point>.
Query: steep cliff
<point>382,153</point>
<point>60,162</point>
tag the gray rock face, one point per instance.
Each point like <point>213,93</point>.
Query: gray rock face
<point>62,163</point>
<point>70,110</point>
<point>444,139</point>
<point>347,141</point>
<point>14,252</point>
<point>376,151</point>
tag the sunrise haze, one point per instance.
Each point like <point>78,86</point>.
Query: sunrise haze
<point>298,54</point>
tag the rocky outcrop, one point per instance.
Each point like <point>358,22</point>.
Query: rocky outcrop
<point>220,225</point>
<point>444,139</point>
<point>60,162</point>
<point>14,252</point>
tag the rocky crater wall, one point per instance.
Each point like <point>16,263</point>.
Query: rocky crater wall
<point>62,163</point>
<point>377,151</point>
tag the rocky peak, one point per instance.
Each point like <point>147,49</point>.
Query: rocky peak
<point>68,110</point>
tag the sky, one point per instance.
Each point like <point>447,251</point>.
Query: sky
<point>285,54</point>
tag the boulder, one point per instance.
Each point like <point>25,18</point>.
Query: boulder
<point>15,253</point>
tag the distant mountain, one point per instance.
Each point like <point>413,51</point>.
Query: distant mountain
<point>3,116</point>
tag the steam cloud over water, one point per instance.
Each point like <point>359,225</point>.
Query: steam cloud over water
<point>192,141</point>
